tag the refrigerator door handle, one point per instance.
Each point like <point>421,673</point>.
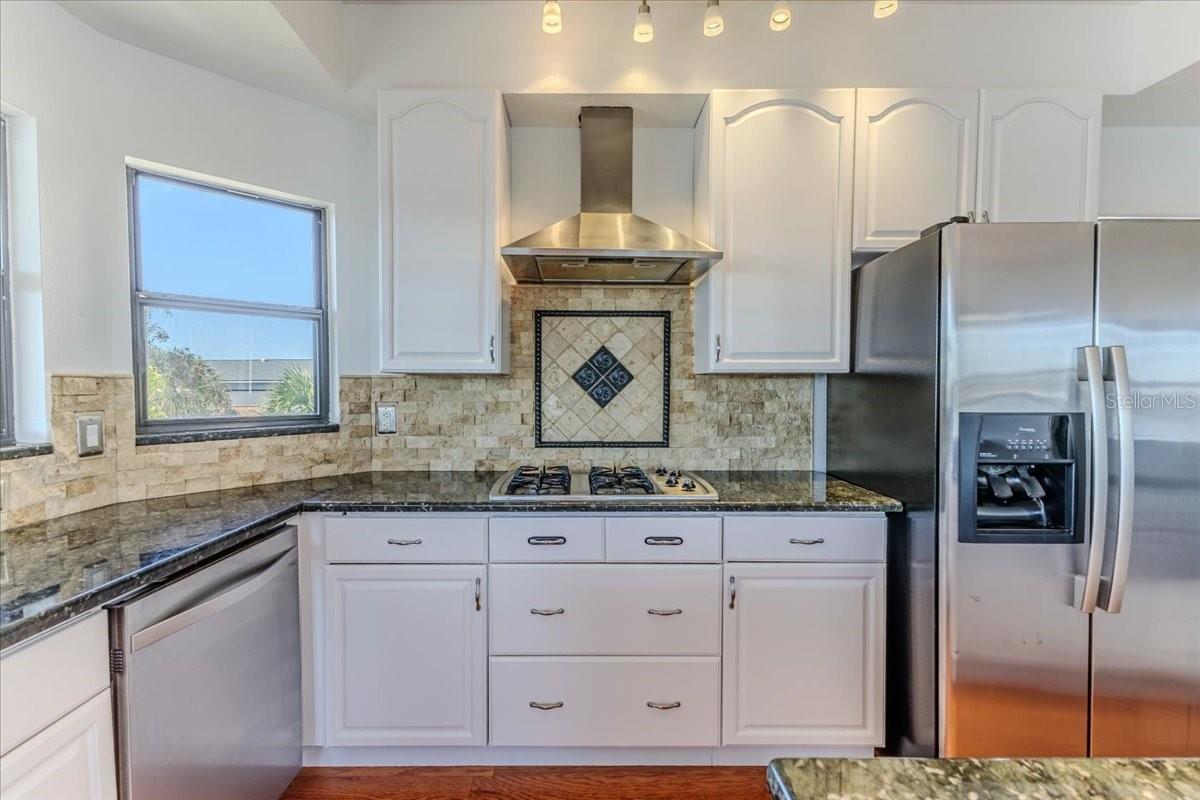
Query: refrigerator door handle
<point>1112,589</point>
<point>1087,588</point>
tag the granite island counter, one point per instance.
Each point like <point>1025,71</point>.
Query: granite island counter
<point>65,567</point>
<point>984,779</point>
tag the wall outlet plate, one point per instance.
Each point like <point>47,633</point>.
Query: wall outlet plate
<point>385,417</point>
<point>89,434</point>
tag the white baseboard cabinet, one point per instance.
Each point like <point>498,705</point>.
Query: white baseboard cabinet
<point>748,636</point>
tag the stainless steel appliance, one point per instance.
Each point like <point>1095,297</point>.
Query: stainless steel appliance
<point>1032,392</point>
<point>206,678</point>
<point>616,483</point>
<point>606,242</point>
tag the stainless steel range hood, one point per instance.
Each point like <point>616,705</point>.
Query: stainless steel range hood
<point>607,242</point>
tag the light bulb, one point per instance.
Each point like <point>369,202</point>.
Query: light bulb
<point>551,17</point>
<point>781,16</point>
<point>885,8</point>
<point>714,21</point>
<point>643,28</point>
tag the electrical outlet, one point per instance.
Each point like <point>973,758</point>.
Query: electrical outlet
<point>89,434</point>
<point>385,417</point>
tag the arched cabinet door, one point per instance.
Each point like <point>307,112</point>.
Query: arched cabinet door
<point>774,172</point>
<point>914,162</point>
<point>1039,155</point>
<point>443,217</point>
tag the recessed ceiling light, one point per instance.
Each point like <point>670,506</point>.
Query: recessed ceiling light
<point>781,16</point>
<point>714,21</point>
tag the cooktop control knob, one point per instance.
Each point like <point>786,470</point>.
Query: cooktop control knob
<point>689,485</point>
<point>660,470</point>
<point>672,480</point>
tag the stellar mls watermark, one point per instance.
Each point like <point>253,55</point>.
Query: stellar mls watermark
<point>1148,401</point>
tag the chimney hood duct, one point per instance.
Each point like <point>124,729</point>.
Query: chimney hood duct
<point>606,242</point>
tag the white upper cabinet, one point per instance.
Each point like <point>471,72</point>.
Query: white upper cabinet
<point>443,160</point>
<point>914,162</point>
<point>1039,155</point>
<point>773,191</point>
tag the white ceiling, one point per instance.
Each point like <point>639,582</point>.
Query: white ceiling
<point>1175,100</point>
<point>250,42</point>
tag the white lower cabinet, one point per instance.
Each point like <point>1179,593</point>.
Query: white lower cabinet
<point>407,654</point>
<point>803,654</point>
<point>73,759</point>
<point>605,701</point>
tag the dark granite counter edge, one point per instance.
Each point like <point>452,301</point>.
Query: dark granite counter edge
<point>584,507</point>
<point>164,570</point>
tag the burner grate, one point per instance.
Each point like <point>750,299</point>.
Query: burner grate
<point>619,480</point>
<point>531,480</point>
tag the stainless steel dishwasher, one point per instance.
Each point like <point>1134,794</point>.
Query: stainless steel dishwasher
<point>206,679</point>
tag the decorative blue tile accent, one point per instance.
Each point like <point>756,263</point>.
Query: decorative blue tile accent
<point>585,376</point>
<point>602,392</point>
<point>603,360</point>
<point>618,376</point>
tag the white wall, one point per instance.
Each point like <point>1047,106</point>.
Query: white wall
<point>501,44</point>
<point>97,101</point>
<point>1150,171</point>
<point>545,176</point>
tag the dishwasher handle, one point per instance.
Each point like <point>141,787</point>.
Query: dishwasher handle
<point>201,611</point>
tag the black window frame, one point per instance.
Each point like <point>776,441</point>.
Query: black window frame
<point>150,431</point>
<point>8,414</point>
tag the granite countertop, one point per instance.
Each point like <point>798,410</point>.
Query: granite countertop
<point>984,779</point>
<point>54,570</point>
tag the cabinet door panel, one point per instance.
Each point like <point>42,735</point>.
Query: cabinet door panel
<point>1039,155</point>
<point>73,759</point>
<point>781,185</point>
<point>914,162</point>
<point>407,652</point>
<point>441,202</point>
<point>803,654</point>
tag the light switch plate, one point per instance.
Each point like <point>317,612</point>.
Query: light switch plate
<point>89,434</point>
<point>385,417</point>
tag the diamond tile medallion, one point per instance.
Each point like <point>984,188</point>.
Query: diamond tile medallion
<point>601,378</point>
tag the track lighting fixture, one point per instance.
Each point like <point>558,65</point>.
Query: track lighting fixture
<point>781,16</point>
<point>551,17</point>
<point>643,27</point>
<point>885,8</point>
<point>714,20</point>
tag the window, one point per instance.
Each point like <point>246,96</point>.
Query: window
<point>230,325</point>
<point>7,413</point>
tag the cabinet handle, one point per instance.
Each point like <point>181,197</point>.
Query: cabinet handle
<point>478,594</point>
<point>806,541</point>
<point>547,540</point>
<point>718,358</point>
<point>545,706</point>
<point>970,216</point>
<point>664,612</point>
<point>404,542</point>
<point>547,612</point>
<point>661,540</point>
<point>985,217</point>
<point>732,591</point>
<point>663,706</point>
<point>492,349</point>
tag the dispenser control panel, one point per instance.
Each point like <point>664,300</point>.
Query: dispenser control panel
<point>1018,481</point>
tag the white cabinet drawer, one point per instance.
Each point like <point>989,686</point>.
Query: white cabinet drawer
<point>614,702</point>
<point>658,537</point>
<point>605,609</point>
<point>407,539</point>
<point>547,539</point>
<point>806,538</point>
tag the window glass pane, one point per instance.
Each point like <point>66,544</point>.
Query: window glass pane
<point>214,244</point>
<point>210,364</point>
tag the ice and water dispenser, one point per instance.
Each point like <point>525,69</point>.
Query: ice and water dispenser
<point>1020,478</point>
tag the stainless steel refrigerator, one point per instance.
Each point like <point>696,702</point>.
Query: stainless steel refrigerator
<point>1032,392</point>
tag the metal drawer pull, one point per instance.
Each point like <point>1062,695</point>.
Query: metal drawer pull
<point>732,591</point>
<point>547,540</point>
<point>545,706</point>
<point>663,706</point>
<point>664,612</point>
<point>404,542</point>
<point>547,612</point>
<point>663,540</point>
<point>478,593</point>
<point>806,541</point>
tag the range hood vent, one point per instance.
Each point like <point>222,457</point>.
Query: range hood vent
<point>606,242</point>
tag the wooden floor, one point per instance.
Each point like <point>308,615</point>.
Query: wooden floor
<point>529,783</point>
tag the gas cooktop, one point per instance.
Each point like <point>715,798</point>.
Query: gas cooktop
<point>616,483</point>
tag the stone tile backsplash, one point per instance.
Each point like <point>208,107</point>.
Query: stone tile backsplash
<point>445,422</point>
